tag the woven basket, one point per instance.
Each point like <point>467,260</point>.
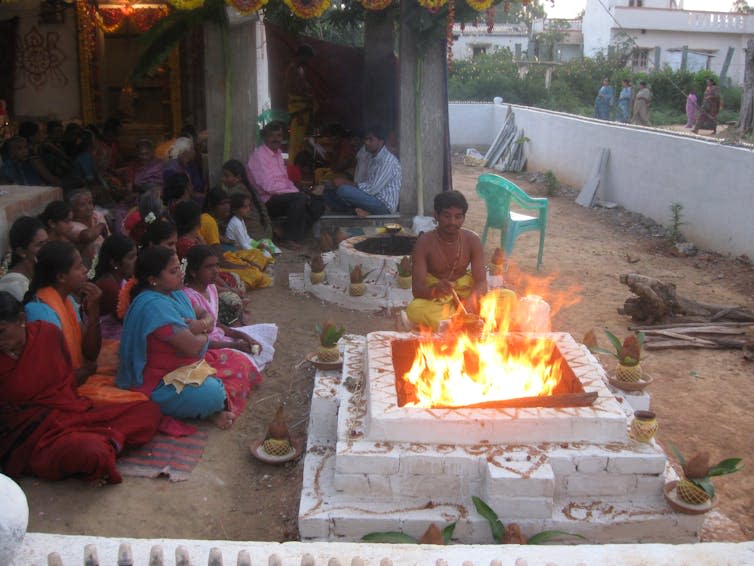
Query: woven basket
<point>357,289</point>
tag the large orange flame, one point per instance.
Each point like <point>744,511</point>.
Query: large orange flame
<point>480,363</point>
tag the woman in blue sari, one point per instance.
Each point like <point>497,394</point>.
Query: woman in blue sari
<point>163,345</point>
<point>623,112</point>
<point>604,101</point>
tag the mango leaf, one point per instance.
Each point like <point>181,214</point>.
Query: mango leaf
<point>678,454</point>
<point>640,336</point>
<point>599,350</point>
<point>544,536</point>
<point>447,532</point>
<point>617,344</point>
<point>706,485</point>
<point>496,526</point>
<point>727,466</point>
<point>390,537</point>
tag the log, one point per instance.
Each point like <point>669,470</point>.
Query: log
<point>656,300</point>
<point>688,324</point>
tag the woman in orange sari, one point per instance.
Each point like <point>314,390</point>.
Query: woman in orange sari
<point>60,276</point>
<point>46,429</point>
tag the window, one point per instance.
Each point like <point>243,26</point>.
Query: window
<point>636,3</point>
<point>639,59</point>
<point>478,50</point>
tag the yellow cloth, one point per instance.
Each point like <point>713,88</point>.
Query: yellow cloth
<point>192,374</point>
<point>301,110</point>
<point>208,230</point>
<point>429,312</point>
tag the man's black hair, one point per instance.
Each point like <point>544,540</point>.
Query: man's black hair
<point>450,199</point>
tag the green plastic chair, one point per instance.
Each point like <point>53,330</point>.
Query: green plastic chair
<point>500,195</point>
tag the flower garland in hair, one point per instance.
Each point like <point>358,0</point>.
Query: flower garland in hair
<point>93,268</point>
<point>150,218</point>
<point>246,7</point>
<point>124,298</point>
<point>307,9</point>
<point>376,4</point>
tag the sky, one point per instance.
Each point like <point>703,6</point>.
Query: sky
<point>570,8</point>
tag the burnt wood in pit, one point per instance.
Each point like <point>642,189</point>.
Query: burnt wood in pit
<point>387,244</point>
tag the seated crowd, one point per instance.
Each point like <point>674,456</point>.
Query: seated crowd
<point>138,279</point>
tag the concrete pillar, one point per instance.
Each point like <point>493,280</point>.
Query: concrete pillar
<point>422,156</point>
<point>242,50</point>
<point>14,518</point>
<point>379,94</point>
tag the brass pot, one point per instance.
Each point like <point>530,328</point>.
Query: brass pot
<point>317,277</point>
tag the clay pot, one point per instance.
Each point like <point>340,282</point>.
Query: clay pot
<point>317,277</point>
<point>357,289</point>
<point>644,426</point>
<point>403,281</point>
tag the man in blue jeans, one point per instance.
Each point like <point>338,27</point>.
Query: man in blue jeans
<point>377,180</point>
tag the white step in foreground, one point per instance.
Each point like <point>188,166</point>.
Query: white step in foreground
<point>363,473</point>
<point>70,549</point>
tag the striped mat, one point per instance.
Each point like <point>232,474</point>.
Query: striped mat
<point>174,457</point>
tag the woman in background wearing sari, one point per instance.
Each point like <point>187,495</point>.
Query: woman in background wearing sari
<point>48,430</point>
<point>604,101</point>
<point>623,111</point>
<point>163,350</point>
<point>59,277</point>
<point>707,119</point>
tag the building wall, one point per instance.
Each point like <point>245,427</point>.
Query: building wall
<point>463,47</point>
<point>648,170</point>
<point>596,25</point>
<point>47,80</point>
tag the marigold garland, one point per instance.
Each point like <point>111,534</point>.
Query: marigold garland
<point>307,9</point>
<point>186,4</point>
<point>376,4</point>
<point>480,5</point>
<point>432,5</point>
<point>246,7</point>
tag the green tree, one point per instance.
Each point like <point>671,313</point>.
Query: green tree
<point>742,7</point>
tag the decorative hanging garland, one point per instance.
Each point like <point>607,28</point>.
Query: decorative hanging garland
<point>480,5</point>
<point>449,32</point>
<point>376,4</point>
<point>247,7</point>
<point>109,19</point>
<point>307,9</point>
<point>145,18</point>
<point>187,4</point>
<point>432,5</point>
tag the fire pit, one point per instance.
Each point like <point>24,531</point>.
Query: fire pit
<point>493,372</point>
<point>387,245</point>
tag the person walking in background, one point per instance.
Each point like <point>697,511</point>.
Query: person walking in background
<point>641,105</point>
<point>604,101</point>
<point>623,111</point>
<point>711,103</point>
<point>691,106</point>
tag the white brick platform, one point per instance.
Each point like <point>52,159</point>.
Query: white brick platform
<point>71,549</point>
<point>372,466</point>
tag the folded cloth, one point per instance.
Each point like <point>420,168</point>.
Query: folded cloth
<point>192,374</point>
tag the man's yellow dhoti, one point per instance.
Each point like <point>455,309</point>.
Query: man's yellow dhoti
<point>429,312</point>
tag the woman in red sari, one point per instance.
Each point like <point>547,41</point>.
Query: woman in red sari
<point>46,429</point>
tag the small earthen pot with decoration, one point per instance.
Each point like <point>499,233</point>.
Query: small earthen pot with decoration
<point>644,426</point>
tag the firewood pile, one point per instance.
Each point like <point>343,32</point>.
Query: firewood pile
<point>672,321</point>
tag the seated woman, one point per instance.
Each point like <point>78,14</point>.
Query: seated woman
<point>57,218</point>
<point>177,189</point>
<point>49,431</point>
<point>148,170</point>
<point>163,349</point>
<point>160,233</point>
<point>249,264</point>
<point>89,228</point>
<point>202,270</point>
<point>115,266</point>
<point>149,210</point>
<point>59,275</point>
<point>27,236</point>
<point>258,222</point>
<point>182,160</point>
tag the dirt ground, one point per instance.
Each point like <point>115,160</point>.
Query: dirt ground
<point>704,399</point>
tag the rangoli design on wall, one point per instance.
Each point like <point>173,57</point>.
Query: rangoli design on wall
<point>39,60</point>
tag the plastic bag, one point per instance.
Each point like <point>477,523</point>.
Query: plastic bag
<point>423,224</point>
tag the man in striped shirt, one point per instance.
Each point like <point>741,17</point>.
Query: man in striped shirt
<point>377,180</point>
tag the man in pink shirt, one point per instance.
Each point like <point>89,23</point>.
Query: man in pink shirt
<point>267,172</point>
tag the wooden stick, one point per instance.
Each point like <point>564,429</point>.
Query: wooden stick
<point>689,323</point>
<point>698,330</point>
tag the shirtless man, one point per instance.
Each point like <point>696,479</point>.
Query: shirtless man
<point>441,262</point>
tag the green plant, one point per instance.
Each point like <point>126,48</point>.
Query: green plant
<point>676,214</point>
<point>696,487</point>
<point>395,537</point>
<point>499,531</point>
<point>551,183</point>
<point>329,334</point>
